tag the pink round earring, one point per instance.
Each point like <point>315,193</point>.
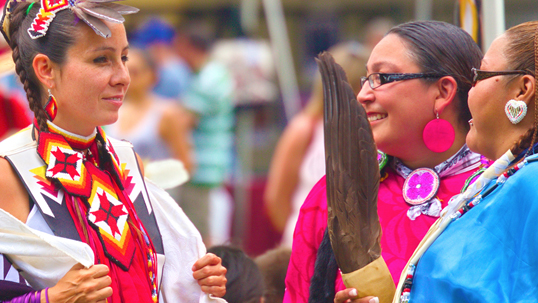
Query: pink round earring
<point>438,135</point>
<point>51,108</point>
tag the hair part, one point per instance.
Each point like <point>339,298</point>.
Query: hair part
<point>60,36</point>
<point>520,53</point>
<point>445,49</point>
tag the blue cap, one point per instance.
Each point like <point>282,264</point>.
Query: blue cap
<point>155,30</point>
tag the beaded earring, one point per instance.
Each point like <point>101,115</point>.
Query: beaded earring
<point>51,107</point>
<point>515,110</point>
<point>438,134</point>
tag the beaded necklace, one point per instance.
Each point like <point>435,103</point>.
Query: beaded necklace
<point>460,205</point>
<point>421,185</point>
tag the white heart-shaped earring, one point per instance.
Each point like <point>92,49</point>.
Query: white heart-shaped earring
<point>515,110</point>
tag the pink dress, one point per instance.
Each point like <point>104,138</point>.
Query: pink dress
<point>400,237</point>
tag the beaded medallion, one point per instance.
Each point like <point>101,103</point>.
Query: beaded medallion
<point>420,186</point>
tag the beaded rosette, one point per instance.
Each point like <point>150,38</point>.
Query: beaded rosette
<point>420,186</point>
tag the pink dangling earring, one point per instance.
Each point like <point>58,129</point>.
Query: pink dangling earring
<point>438,135</point>
<point>51,108</point>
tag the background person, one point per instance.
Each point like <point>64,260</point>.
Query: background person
<point>156,36</point>
<point>149,122</point>
<point>299,158</point>
<point>273,265</point>
<point>209,118</point>
<point>244,279</point>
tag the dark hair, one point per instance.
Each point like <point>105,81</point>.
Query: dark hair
<point>520,53</point>
<point>245,282</point>
<point>443,48</point>
<point>273,265</point>
<point>322,283</point>
<point>60,36</point>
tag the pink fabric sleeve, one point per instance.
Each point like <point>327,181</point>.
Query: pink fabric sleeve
<point>307,237</point>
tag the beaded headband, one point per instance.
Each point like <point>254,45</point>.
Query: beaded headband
<point>92,12</point>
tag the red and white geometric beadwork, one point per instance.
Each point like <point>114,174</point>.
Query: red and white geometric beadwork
<point>109,214</point>
<point>44,17</point>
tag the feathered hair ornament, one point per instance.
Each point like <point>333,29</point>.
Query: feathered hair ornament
<point>92,12</point>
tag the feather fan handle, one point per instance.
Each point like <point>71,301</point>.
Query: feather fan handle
<point>352,172</point>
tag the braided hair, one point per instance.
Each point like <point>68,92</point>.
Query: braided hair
<point>322,283</point>
<point>60,36</point>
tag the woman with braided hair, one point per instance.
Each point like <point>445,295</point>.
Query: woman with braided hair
<point>78,221</point>
<point>484,247</point>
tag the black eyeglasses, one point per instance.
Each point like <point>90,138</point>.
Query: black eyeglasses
<point>377,79</point>
<point>482,74</point>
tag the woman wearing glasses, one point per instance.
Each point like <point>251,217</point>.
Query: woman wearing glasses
<point>416,100</point>
<point>483,249</point>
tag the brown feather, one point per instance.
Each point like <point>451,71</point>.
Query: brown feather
<point>352,172</point>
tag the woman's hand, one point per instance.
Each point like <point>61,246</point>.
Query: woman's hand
<point>349,295</point>
<point>211,275</point>
<point>82,285</point>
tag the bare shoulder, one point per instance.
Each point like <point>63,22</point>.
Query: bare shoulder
<point>300,129</point>
<point>13,195</point>
<point>173,112</point>
<point>176,118</point>
<point>171,108</point>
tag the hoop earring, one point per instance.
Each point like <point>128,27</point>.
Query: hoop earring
<point>515,110</point>
<point>51,107</point>
<point>438,135</point>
